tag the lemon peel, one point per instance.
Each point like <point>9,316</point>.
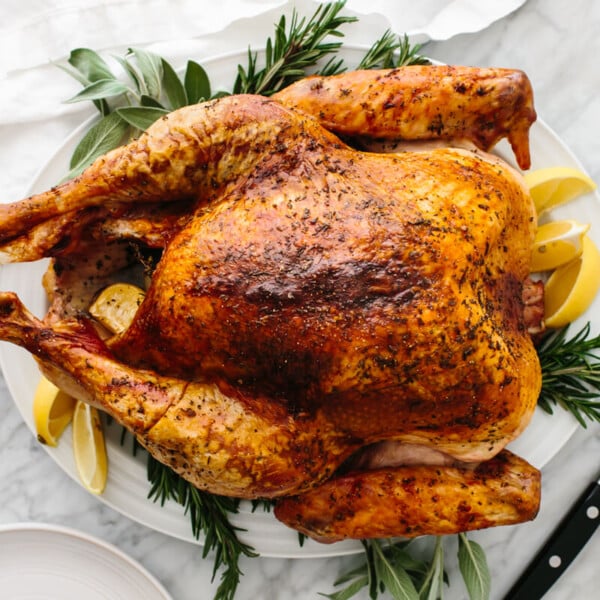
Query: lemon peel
<point>52,412</point>
<point>557,243</point>
<point>89,448</point>
<point>553,186</point>
<point>116,305</point>
<point>571,288</point>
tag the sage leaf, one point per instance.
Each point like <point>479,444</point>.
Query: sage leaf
<point>105,135</point>
<point>151,68</point>
<point>474,568</point>
<point>394,577</point>
<point>141,117</point>
<point>172,86</point>
<point>101,105</point>
<point>133,73</point>
<point>220,94</point>
<point>399,555</point>
<point>150,101</point>
<point>433,583</point>
<point>83,80</point>
<point>398,583</point>
<point>90,64</point>
<point>103,88</point>
<point>196,82</point>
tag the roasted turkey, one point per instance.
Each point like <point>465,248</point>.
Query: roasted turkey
<point>340,329</point>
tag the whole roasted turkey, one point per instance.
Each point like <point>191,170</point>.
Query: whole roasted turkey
<point>341,329</point>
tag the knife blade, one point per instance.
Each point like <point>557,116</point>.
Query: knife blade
<point>565,543</point>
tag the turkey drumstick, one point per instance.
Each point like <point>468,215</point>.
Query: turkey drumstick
<point>422,103</point>
<point>213,436</point>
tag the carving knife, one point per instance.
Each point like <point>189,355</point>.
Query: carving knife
<point>571,535</point>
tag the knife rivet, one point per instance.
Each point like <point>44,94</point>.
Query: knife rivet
<point>555,561</point>
<point>592,512</point>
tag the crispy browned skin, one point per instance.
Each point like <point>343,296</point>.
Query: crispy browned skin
<point>358,284</point>
<point>422,103</point>
<point>416,500</point>
<point>311,300</point>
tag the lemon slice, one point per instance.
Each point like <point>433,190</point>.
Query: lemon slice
<point>89,448</point>
<point>572,287</point>
<point>552,186</point>
<point>116,305</point>
<point>557,243</point>
<point>52,412</point>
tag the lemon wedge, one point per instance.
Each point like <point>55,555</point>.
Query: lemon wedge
<point>571,288</point>
<point>52,412</point>
<point>553,186</point>
<point>89,448</point>
<point>116,305</point>
<point>557,243</point>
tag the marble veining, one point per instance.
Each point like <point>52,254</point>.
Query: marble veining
<point>557,44</point>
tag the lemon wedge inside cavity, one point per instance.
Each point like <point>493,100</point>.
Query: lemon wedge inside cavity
<point>116,305</point>
<point>89,448</point>
<point>553,186</point>
<point>52,412</point>
<point>571,288</point>
<point>557,243</point>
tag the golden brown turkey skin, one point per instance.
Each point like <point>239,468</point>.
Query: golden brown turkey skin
<point>422,103</point>
<point>416,500</point>
<point>310,301</point>
<point>370,286</point>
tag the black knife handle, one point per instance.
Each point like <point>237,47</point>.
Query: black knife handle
<point>563,546</point>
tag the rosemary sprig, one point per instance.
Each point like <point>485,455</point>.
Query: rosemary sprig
<point>392,51</point>
<point>294,50</point>
<point>209,516</point>
<point>571,374</point>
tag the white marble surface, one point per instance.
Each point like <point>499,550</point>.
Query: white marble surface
<point>557,44</point>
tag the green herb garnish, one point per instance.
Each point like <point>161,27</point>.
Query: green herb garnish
<point>292,52</point>
<point>571,374</point>
<point>392,51</point>
<point>209,516</point>
<point>473,567</point>
<point>390,567</point>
